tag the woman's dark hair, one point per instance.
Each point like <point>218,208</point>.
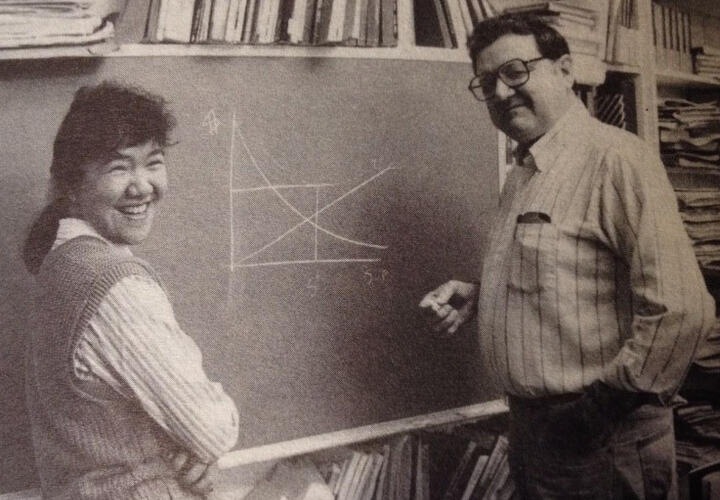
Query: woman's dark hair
<point>550,43</point>
<point>101,120</point>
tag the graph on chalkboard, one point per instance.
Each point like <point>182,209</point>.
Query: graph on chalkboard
<point>282,223</point>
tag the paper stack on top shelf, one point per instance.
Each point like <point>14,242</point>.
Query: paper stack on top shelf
<point>37,23</point>
<point>690,150</point>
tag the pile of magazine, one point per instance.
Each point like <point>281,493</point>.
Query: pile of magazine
<point>38,23</point>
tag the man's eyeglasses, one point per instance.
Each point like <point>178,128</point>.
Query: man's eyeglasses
<point>514,73</point>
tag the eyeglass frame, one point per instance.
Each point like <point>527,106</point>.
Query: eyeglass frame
<point>497,75</point>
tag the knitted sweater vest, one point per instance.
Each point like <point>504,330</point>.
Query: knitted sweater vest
<point>90,442</point>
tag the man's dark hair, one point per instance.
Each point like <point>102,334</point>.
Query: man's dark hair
<point>550,43</point>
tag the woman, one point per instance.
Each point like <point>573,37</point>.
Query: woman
<point>119,402</point>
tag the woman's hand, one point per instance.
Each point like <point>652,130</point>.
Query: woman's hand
<point>195,475</point>
<point>450,306</point>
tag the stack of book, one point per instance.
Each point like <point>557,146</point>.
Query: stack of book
<point>28,23</point>
<point>706,61</point>
<point>583,23</point>
<point>672,36</point>
<point>690,146</point>
<point>469,464</point>
<point>367,23</point>
<point>447,23</point>
<point>583,26</point>
<point>623,35</point>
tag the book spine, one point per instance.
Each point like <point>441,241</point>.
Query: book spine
<point>296,23</point>
<point>373,23</point>
<point>309,25</point>
<point>197,16</point>
<point>218,19</point>
<point>472,482</point>
<point>204,28</point>
<point>450,22</point>
<point>454,486</point>
<point>232,19</point>
<point>178,22</point>
<point>387,23</point>
<point>467,20</point>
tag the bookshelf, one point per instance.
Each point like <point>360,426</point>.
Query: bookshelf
<point>668,73</point>
<point>589,71</point>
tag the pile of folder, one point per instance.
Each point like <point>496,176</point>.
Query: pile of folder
<point>28,23</point>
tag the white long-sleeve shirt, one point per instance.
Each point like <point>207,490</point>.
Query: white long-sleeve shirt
<point>134,344</point>
<point>589,273</point>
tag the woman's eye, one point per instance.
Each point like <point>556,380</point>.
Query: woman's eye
<point>117,167</point>
<point>155,166</point>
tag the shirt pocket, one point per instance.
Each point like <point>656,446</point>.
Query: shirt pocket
<point>533,259</point>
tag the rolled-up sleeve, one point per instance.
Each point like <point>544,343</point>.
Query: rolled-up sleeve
<point>672,309</point>
<point>135,344</point>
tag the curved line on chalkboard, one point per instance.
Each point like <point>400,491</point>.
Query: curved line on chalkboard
<point>306,219</point>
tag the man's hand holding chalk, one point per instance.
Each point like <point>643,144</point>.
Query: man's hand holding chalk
<point>450,305</point>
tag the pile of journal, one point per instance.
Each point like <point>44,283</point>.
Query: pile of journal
<point>37,23</point>
<point>690,147</point>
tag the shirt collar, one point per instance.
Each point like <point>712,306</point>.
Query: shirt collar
<point>542,154</point>
<point>71,227</point>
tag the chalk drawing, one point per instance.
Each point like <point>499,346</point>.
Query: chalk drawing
<point>211,122</point>
<point>255,257</point>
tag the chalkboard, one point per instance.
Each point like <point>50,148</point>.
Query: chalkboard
<point>312,204</point>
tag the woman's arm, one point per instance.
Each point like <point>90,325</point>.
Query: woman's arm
<point>135,344</point>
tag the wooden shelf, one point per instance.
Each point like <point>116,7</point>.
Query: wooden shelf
<point>678,79</point>
<point>624,68</point>
<point>227,50</point>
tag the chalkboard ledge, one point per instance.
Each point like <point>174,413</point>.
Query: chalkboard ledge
<point>361,434</point>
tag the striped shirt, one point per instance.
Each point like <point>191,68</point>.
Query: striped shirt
<point>134,344</point>
<point>589,274</point>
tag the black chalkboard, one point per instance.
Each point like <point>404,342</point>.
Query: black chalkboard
<point>313,202</point>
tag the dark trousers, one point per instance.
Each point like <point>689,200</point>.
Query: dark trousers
<point>637,462</point>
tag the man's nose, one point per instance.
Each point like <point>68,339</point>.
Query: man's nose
<point>502,89</point>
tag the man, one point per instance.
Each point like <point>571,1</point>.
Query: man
<point>591,304</point>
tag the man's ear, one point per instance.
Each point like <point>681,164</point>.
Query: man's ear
<point>565,65</point>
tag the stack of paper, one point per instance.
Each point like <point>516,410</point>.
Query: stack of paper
<point>706,61</point>
<point>27,23</point>
<point>690,148</point>
<point>689,133</point>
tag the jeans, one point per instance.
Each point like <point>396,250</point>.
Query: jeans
<point>636,462</point>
